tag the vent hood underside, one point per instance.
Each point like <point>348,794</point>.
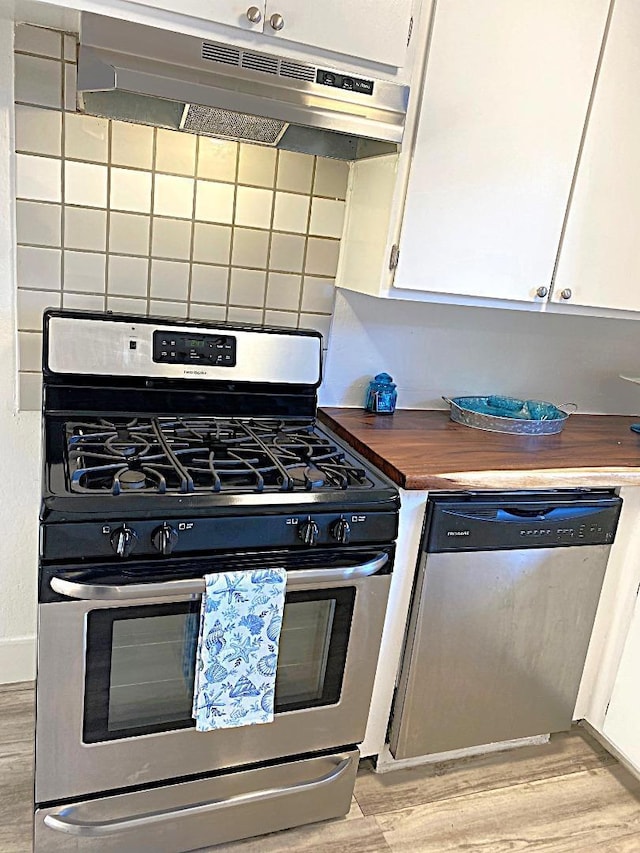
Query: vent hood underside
<point>145,75</point>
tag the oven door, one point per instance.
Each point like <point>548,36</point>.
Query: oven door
<point>116,665</point>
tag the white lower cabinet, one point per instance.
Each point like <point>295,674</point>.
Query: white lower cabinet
<point>622,720</point>
<point>599,260</point>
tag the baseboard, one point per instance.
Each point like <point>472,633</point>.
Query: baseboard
<point>17,659</point>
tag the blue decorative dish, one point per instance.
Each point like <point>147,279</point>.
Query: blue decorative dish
<point>508,414</point>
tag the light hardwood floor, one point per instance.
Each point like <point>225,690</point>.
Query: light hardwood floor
<point>568,795</point>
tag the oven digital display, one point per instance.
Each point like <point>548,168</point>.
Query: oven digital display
<point>209,350</point>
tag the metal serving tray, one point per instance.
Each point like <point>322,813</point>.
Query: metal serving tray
<point>508,414</point>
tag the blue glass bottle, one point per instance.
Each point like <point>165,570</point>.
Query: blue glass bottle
<point>381,395</point>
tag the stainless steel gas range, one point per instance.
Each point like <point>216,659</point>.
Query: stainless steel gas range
<point>172,451</point>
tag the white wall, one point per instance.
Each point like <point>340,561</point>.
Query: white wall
<point>432,350</point>
<point>19,432</point>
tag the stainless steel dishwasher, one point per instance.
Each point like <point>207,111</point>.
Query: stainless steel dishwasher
<point>504,603</point>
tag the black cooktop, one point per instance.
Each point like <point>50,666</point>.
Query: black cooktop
<point>199,454</point>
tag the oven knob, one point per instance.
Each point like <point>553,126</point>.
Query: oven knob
<point>123,540</point>
<point>164,538</point>
<point>309,531</point>
<point>341,531</point>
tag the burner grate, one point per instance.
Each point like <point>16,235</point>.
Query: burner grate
<point>210,455</point>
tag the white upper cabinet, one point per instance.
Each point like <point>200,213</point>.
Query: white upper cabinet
<point>376,30</point>
<point>373,30</point>
<point>506,94</point>
<point>600,256</point>
<point>246,14</point>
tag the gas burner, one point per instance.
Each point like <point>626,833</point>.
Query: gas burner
<point>207,455</point>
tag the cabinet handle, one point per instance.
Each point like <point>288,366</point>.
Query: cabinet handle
<point>566,293</point>
<point>542,291</point>
<point>276,21</point>
<point>254,15</point>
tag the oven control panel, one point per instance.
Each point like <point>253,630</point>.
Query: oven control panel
<point>181,348</point>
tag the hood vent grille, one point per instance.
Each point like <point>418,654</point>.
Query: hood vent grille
<point>225,55</point>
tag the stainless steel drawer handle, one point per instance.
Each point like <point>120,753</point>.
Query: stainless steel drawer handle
<point>195,586</point>
<point>65,822</point>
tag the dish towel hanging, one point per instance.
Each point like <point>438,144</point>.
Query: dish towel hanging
<point>237,656</point>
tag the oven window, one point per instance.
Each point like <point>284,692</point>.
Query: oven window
<point>140,662</point>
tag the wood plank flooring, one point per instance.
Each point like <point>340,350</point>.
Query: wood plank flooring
<point>567,796</point>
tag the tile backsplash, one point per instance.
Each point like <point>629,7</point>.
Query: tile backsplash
<point>125,217</point>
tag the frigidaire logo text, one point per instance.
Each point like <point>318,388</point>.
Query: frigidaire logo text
<point>458,532</point>
<point>195,373</point>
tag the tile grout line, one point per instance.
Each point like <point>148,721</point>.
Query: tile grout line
<point>270,237</point>
<point>233,226</point>
<point>314,173</point>
<point>154,153</point>
<point>192,233</point>
<point>107,260</point>
<point>63,123</point>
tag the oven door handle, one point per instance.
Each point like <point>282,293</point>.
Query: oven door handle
<point>65,822</point>
<point>195,586</point>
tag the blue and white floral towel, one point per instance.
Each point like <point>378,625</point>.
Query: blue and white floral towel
<point>237,657</point>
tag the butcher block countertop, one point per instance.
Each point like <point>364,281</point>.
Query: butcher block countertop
<point>426,450</point>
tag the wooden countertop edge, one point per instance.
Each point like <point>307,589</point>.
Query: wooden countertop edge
<point>550,478</point>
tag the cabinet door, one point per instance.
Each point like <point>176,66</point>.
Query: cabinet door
<point>506,94</point>
<point>621,722</point>
<point>600,255</point>
<point>233,13</point>
<point>376,30</point>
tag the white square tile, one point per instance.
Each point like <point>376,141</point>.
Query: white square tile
<point>70,47</point>
<point>247,287</point>
<point>322,257</point>
<point>31,304</point>
<point>85,228</point>
<point>215,313</point>
<point>283,291</point>
<point>331,177</point>
<point>211,243</point>
<point>257,165</point>
<point>122,305</point>
<point>217,159</point>
<point>253,207</point>
<point>281,318</point>
<point>30,351</point>
<point>38,178</point>
<point>130,190</point>
<point>30,39</point>
<point>85,272</point>
<point>327,217</point>
<point>38,131</point>
<point>83,301</point>
<point>244,315</point>
<point>38,81</point>
<point>214,202</point>
<point>38,223</point>
<point>295,172</point>
<point>168,309</point>
<point>318,295</point>
<point>173,196</point>
<point>250,248</point>
<point>209,284</point>
<point>128,276</point>
<point>291,213</point>
<point>287,253</point>
<point>30,390</point>
<point>129,233</point>
<point>169,280</point>
<point>318,322</point>
<point>85,184</point>
<point>39,268</point>
<point>86,137</point>
<point>171,238</point>
<point>70,97</point>
<point>131,145</point>
<point>176,152</point>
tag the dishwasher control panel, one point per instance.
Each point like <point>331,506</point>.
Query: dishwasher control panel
<point>487,523</point>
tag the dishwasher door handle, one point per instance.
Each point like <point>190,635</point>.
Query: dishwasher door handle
<point>300,579</point>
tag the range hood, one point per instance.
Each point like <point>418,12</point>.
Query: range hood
<point>146,75</point>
